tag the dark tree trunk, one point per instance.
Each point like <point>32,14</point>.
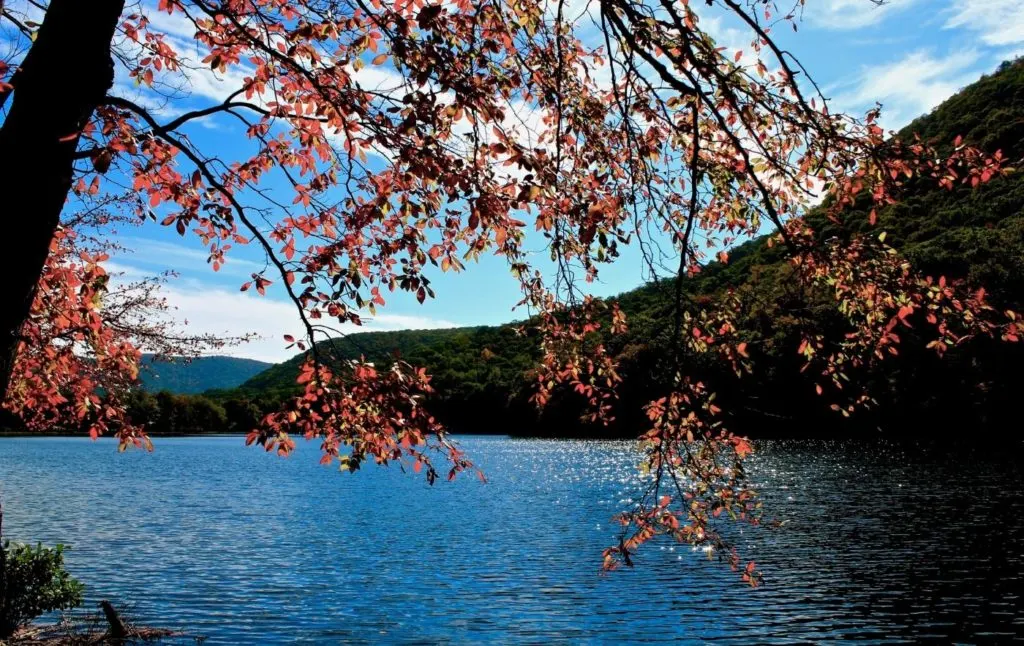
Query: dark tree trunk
<point>117,630</point>
<point>64,76</point>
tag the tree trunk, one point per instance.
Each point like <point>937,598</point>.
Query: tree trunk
<point>64,76</point>
<point>117,631</point>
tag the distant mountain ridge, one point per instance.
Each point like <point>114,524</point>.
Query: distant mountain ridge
<point>186,377</point>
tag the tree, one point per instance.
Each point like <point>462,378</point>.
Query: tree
<point>32,581</point>
<point>39,138</point>
<point>618,122</point>
<point>79,356</point>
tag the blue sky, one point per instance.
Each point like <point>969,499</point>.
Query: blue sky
<point>909,55</point>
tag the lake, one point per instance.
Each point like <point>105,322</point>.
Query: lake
<point>882,542</point>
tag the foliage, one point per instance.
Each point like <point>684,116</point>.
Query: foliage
<point>55,382</point>
<point>33,581</point>
<point>973,234</point>
<point>509,122</point>
<point>79,352</point>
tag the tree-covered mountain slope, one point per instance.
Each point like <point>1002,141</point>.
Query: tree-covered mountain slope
<point>182,376</point>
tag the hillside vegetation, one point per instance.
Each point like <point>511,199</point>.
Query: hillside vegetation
<point>181,376</point>
<point>482,374</point>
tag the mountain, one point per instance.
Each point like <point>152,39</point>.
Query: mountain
<point>483,376</point>
<point>198,375</point>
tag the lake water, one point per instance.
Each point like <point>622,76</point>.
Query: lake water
<point>883,542</point>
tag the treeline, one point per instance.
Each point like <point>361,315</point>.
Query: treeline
<point>483,375</point>
<point>165,413</point>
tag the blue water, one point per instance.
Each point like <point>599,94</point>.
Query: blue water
<point>882,542</point>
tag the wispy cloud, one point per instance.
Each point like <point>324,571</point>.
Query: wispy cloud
<point>193,83</point>
<point>174,24</point>
<point>202,308</point>
<point>908,87</point>
<point>999,23</point>
<point>167,255</point>
<point>725,34</point>
<point>852,14</point>
<point>218,311</point>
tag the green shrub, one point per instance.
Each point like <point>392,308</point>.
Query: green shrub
<point>33,581</point>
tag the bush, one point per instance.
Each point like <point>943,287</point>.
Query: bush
<point>33,581</point>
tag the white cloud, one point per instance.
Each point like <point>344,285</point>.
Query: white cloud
<point>125,273</point>
<point>910,86</point>
<point>217,311</point>
<point>201,308</point>
<point>726,35</point>
<point>194,79</point>
<point>379,79</point>
<point>999,22</point>
<point>172,24</point>
<point>167,255</point>
<point>200,81</point>
<point>223,312</point>
<point>852,14</point>
<point>582,13</point>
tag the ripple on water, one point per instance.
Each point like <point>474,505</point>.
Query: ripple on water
<point>883,542</point>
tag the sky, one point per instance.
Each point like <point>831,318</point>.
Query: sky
<point>908,55</point>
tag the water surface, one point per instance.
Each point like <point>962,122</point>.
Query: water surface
<point>882,542</point>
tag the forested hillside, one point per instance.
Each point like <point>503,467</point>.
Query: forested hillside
<point>181,376</point>
<point>482,374</point>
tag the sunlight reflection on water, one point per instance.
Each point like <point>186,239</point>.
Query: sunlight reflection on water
<point>881,542</point>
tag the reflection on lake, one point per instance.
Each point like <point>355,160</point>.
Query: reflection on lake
<point>884,542</point>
